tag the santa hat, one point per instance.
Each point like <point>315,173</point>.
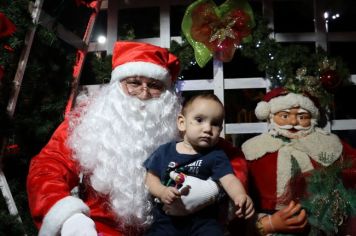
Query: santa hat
<point>279,99</point>
<point>142,59</point>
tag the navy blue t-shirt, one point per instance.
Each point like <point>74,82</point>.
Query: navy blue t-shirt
<point>214,164</point>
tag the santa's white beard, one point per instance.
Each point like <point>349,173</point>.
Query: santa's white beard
<point>285,130</point>
<point>112,138</point>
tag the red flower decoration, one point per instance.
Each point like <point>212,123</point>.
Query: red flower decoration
<point>220,34</point>
<point>330,80</point>
<point>8,48</point>
<point>7,28</point>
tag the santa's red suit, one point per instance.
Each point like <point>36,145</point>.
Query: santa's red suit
<point>53,174</point>
<point>270,163</point>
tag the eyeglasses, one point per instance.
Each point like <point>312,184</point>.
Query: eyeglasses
<point>136,85</point>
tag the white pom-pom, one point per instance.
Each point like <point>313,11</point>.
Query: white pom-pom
<point>262,110</point>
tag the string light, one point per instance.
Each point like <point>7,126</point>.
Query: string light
<point>258,44</point>
<point>271,56</point>
<point>101,39</point>
<point>326,15</point>
<point>337,15</point>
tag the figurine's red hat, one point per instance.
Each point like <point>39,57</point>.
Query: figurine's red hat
<point>280,98</point>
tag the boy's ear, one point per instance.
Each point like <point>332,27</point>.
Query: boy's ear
<point>181,122</point>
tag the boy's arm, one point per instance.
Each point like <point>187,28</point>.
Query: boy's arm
<point>232,185</point>
<point>237,193</point>
<point>154,184</point>
<point>166,194</point>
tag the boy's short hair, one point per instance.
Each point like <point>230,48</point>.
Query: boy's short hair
<point>208,96</point>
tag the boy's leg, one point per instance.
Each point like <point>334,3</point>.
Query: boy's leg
<point>164,225</point>
<point>207,227</point>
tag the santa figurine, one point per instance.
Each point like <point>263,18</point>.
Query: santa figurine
<point>293,142</point>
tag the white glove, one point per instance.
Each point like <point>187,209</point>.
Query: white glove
<point>78,225</point>
<point>196,194</point>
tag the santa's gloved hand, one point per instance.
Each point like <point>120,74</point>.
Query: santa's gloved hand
<point>196,194</point>
<point>78,225</point>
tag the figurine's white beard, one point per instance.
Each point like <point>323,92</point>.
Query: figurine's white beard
<point>275,129</point>
<point>112,138</point>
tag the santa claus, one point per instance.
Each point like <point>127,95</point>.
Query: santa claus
<point>101,146</point>
<point>293,142</point>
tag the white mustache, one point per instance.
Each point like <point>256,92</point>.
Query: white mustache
<point>297,127</point>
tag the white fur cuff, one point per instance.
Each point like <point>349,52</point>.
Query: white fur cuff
<point>60,212</point>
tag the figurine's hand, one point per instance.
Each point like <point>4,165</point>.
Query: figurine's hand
<point>290,219</point>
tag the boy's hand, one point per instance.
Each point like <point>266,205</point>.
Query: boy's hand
<point>194,195</point>
<point>244,206</point>
<point>169,195</point>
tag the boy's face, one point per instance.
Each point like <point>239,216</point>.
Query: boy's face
<point>202,123</point>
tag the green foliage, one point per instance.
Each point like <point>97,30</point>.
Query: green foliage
<point>40,106</point>
<point>277,61</point>
<point>280,62</point>
<point>293,66</point>
<point>44,93</point>
<point>126,32</point>
<point>184,52</point>
<point>329,203</point>
<point>101,67</point>
<point>10,49</point>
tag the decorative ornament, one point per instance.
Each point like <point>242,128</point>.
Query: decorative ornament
<point>179,179</point>
<point>328,75</point>
<point>7,28</point>
<point>312,85</point>
<point>217,30</point>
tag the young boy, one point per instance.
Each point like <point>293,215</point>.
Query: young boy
<point>200,124</point>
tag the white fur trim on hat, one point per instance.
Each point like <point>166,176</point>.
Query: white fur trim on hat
<point>140,68</point>
<point>264,109</point>
<point>60,212</point>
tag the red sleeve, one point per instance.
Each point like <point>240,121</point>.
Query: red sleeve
<point>237,160</point>
<point>349,174</point>
<point>52,175</point>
